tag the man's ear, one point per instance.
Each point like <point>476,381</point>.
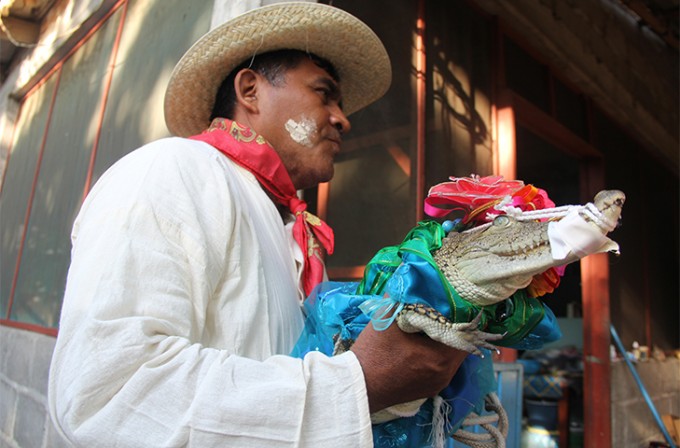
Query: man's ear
<point>246,85</point>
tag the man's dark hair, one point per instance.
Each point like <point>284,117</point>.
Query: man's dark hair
<point>273,66</point>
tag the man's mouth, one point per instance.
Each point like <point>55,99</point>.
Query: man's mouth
<point>337,142</point>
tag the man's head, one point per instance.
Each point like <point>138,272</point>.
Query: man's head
<point>294,100</point>
<point>273,66</point>
<point>331,34</point>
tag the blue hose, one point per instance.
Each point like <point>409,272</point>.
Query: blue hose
<point>641,386</point>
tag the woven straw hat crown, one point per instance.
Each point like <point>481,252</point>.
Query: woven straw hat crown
<point>351,46</point>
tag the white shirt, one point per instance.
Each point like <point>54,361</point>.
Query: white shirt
<point>182,294</point>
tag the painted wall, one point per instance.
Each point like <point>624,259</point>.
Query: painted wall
<point>67,107</point>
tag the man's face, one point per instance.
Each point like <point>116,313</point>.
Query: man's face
<point>302,119</point>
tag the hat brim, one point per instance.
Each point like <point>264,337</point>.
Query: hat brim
<point>355,51</point>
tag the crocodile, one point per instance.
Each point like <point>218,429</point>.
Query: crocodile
<point>489,263</point>
<point>486,265</point>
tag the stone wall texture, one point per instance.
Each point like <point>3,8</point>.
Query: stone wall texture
<point>633,424</point>
<point>24,367</point>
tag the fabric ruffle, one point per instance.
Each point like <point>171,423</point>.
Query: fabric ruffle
<point>407,274</point>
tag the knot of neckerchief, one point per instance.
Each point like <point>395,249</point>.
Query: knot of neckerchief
<point>252,152</point>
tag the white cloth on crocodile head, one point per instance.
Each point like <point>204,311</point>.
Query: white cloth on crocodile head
<point>573,237</point>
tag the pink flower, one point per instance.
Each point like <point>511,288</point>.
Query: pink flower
<point>477,195</point>
<point>474,195</point>
<point>471,192</point>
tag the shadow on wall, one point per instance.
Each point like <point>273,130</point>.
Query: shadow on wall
<point>456,104</point>
<point>154,36</point>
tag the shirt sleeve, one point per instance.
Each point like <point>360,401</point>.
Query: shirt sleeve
<point>128,370</point>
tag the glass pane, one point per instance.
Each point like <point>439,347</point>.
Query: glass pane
<point>372,196</point>
<point>525,75</point>
<point>18,182</point>
<point>647,270</point>
<point>370,204</point>
<point>458,140</point>
<point>570,109</point>
<point>155,35</point>
<point>59,191</point>
<point>545,166</point>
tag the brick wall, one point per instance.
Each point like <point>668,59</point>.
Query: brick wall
<point>633,424</point>
<point>24,367</point>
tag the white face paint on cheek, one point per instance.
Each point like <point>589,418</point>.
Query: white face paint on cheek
<point>302,131</point>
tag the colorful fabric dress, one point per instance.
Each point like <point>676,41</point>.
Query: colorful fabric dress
<point>407,274</point>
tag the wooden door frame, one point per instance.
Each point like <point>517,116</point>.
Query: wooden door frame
<point>512,110</point>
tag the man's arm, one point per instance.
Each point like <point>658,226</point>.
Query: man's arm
<point>129,367</point>
<point>400,367</point>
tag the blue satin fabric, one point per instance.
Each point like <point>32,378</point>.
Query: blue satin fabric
<point>333,308</point>
<point>406,274</point>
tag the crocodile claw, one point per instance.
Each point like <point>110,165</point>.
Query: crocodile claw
<point>464,336</point>
<point>471,339</point>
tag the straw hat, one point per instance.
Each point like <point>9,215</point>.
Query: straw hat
<point>328,32</point>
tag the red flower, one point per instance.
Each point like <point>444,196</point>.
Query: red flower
<point>544,283</point>
<point>475,195</point>
<point>531,198</point>
<point>468,193</point>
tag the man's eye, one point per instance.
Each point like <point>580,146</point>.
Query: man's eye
<point>325,94</point>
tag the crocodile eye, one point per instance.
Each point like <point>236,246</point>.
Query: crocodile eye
<point>501,221</point>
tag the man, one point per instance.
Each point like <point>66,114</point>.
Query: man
<point>191,257</point>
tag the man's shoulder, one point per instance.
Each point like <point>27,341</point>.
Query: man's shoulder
<point>167,161</point>
<point>172,154</point>
<point>175,148</point>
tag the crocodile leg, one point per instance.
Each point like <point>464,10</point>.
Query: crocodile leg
<point>463,336</point>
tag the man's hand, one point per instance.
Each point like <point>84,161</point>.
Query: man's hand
<point>399,367</point>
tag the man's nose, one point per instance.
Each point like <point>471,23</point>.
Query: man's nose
<point>340,120</point>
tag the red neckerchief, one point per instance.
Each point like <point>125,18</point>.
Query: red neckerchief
<point>252,152</point>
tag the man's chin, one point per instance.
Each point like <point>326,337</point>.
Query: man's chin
<point>329,176</point>
<point>326,174</point>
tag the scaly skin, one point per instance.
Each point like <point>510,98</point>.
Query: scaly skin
<point>486,267</point>
<point>489,265</point>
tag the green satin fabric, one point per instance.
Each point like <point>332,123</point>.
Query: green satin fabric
<point>425,283</point>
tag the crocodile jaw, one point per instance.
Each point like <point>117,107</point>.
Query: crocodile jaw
<point>510,274</point>
<point>489,267</point>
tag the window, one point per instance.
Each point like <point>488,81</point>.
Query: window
<point>64,138</point>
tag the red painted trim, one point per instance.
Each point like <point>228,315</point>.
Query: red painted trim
<point>596,362</point>
<point>596,322</point>
<point>9,149</point>
<point>75,48</point>
<point>105,97</point>
<point>547,127</point>
<point>323,193</point>
<point>32,195</point>
<point>30,327</point>
<point>420,110</point>
<point>56,69</point>
<point>400,158</point>
<point>504,148</point>
<point>497,81</point>
<point>347,272</point>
